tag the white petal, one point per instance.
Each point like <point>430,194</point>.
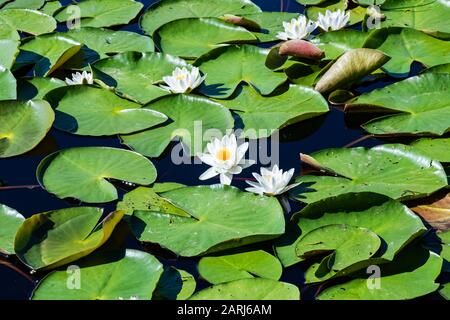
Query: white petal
<point>255,190</point>
<point>225,178</point>
<point>208,174</point>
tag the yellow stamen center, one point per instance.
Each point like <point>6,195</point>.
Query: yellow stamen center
<point>223,154</point>
<point>180,77</point>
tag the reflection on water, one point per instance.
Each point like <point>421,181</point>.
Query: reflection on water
<point>324,132</point>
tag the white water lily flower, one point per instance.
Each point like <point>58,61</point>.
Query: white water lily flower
<point>333,20</point>
<point>225,157</point>
<point>80,78</point>
<point>297,29</point>
<point>182,80</point>
<point>272,182</point>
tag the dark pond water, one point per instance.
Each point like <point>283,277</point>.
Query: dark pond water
<point>331,130</point>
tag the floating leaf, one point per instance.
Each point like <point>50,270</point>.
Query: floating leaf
<point>174,284</point>
<point>169,10</point>
<point>336,43</point>
<point>46,53</point>
<point>434,148</point>
<point>445,291</point>
<point>188,114</point>
<point>427,15</point>
<point>136,74</point>
<point>243,63</point>
<point>127,276</point>
<point>37,87</point>
<point>50,7</point>
<point>101,13</point>
<point>101,113</point>
<point>210,226</point>
<point>23,124</point>
<point>29,21</point>
<point>365,210</point>
<point>262,115</point>
<point>406,46</point>
<point>410,275</point>
<point>245,265</point>
<point>271,23</point>
<point>310,2</point>
<point>344,244</point>
<point>10,220</point>
<point>249,289</point>
<point>103,42</point>
<point>82,173</point>
<point>144,199</point>
<point>445,252</point>
<point>352,66</point>
<point>420,105</point>
<point>436,212</point>
<point>55,238</point>
<point>7,85</point>
<point>9,42</point>
<point>190,38</point>
<point>394,170</point>
<point>23,4</point>
<point>442,68</point>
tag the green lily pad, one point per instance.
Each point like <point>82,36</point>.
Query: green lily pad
<point>82,173</point>
<point>310,2</point>
<point>55,238</point>
<point>243,63</point>
<point>190,38</point>
<point>143,198</point>
<point>263,115</point>
<point>445,239</point>
<point>23,124</point>
<point>366,210</point>
<point>394,170</point>
<point>344,244</point>
<point>136,74</point>
<point>126,276</point>
<point>103,42</point>
<point>29,21</point>
<point>101,13</point>
<point>434,148</point>
<point>351,67</point>
<point>22,4</point>
<point>37,87</point>
<point>412,274</point>
<point>445,291</point>
<point>9,42</point>
<point>431,16</point>
<point>245,265</point>
<point>249,289</point>
<point>405,46</point>
<point>10,220</point>
<point>188,113</point>
<point>175,284</point>
<point>442,68</point>
<point>46,53</point>
<point>420,105</point>
<point>8,85</point>
<point>369,2</point>
<point>207,225</point>
<point>101,113</point>
<point>50,7</point>
<point>166,11</point>
<point>336,43</point>
<point>271,23</point>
